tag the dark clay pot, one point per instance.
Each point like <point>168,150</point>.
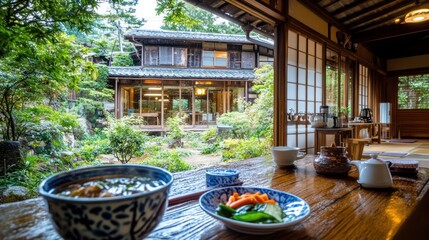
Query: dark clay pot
<point>332,161</point>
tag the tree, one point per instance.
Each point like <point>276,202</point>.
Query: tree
<point>25,21</point>
<point>203,21</point>
<point>120,18</point>
<point>36,74</point>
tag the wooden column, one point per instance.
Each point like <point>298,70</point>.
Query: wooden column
<point>280,66</point>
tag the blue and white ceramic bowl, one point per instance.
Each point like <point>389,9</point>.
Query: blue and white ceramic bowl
<point>120,217</point>
<point>221,177</point>
<point>295,208</point>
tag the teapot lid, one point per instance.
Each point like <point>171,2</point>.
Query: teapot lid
<point>374,159</point>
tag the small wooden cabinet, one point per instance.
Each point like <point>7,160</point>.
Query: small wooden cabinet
<point>327,136</point>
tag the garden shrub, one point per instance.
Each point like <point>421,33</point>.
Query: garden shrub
<point>211,148</point>
<point>175,131</point>
<point>93,146</point>
<point>209,134</point>
<point>125,141</point>
<point>238,121</point>
<point>170,160</point>
<point>239,149</point>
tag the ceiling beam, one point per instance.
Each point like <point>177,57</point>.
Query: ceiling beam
<point>365,11</point>
<point>259,10</point>
<point>385,13</point>
<point>391,31</point>
<point>347,7</point>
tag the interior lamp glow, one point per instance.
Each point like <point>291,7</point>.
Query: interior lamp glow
<point>416,16</point>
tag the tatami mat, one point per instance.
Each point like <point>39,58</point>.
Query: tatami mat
<point>418,150</point>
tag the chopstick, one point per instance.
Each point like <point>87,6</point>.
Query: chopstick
<point>195,195</point>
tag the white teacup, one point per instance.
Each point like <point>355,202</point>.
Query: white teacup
<point>285,156</point>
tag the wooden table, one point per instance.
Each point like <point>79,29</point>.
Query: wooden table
<point>357,126</point>
<point>340,208</point>
<point>327,136</point>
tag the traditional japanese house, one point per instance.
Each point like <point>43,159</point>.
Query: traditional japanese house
<point>199,75</point>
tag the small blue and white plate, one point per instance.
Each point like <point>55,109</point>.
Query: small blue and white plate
<point>295,208</point>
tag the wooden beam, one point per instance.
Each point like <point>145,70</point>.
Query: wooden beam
<point>392,31</point>
<point>259,10</point>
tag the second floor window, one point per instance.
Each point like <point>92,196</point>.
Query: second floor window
<point>215,59</point>
<point>170,56</point>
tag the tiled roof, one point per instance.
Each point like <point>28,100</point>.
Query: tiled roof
<point>195,36</point>
<point>181,73</point>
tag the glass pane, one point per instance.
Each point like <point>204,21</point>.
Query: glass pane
<point>318,79</point>
<point>302,107</point>
<point>291,72</point>
<point>208,58</point>
<point>180,57</point>
<point>301,92</point>
<point>318,93</point>
<point>302,43</point>
<point>332,79</point>
<point>310,93</point>
<point>292,57</point>
<point>311,107</point>
<point>311,47</point>
<point>311,63</point>
<point>310,78</point>
<point>291,91</point>
<point>319,52</point>
<point>301,77</point>
<point>291,140</point>
<point>302,58</point>
<point>319,65</point>
<point>291,105</point>
<point>302,140</point>
<point>165,55</point>
<point>292,39</point>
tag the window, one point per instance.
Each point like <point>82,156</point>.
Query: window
<point>235,60</point>
<point>151,55</point>
<point>171,56</point>
<point>165,56</point>
<point>194,57</point>
<point>363,87</point>
<point>413,92</point>
<point>215,59</point>
<point>248,60</point>
<point>304,87</point>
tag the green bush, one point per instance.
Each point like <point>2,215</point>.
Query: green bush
<point>211,148</point>
<point>169,159</point>
<point>125,141</point>
<point>238,149</point>
<point>209,134</point>
<point>239,122</point>
<point>37,168</point>
<point>175,131</point>
<point>93,146</point>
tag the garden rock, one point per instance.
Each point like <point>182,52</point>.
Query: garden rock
<point>14,194</point>
<point>107,158</point>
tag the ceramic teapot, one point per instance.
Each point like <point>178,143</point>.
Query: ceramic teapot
<point>374,173</point>
<point>316,120</point>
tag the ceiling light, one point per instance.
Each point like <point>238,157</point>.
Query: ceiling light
<point>416,16</point>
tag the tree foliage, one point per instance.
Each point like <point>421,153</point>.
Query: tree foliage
<point>202,20</point>
<point>118,19</point>
<point>413,92</point>
<point>37,74</point>
<point>25,21</point>
<point>125,141</point>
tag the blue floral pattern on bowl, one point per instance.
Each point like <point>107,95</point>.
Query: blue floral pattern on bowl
<point>295,208</point>
<point>221,177</point>
<point>123,217</point>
